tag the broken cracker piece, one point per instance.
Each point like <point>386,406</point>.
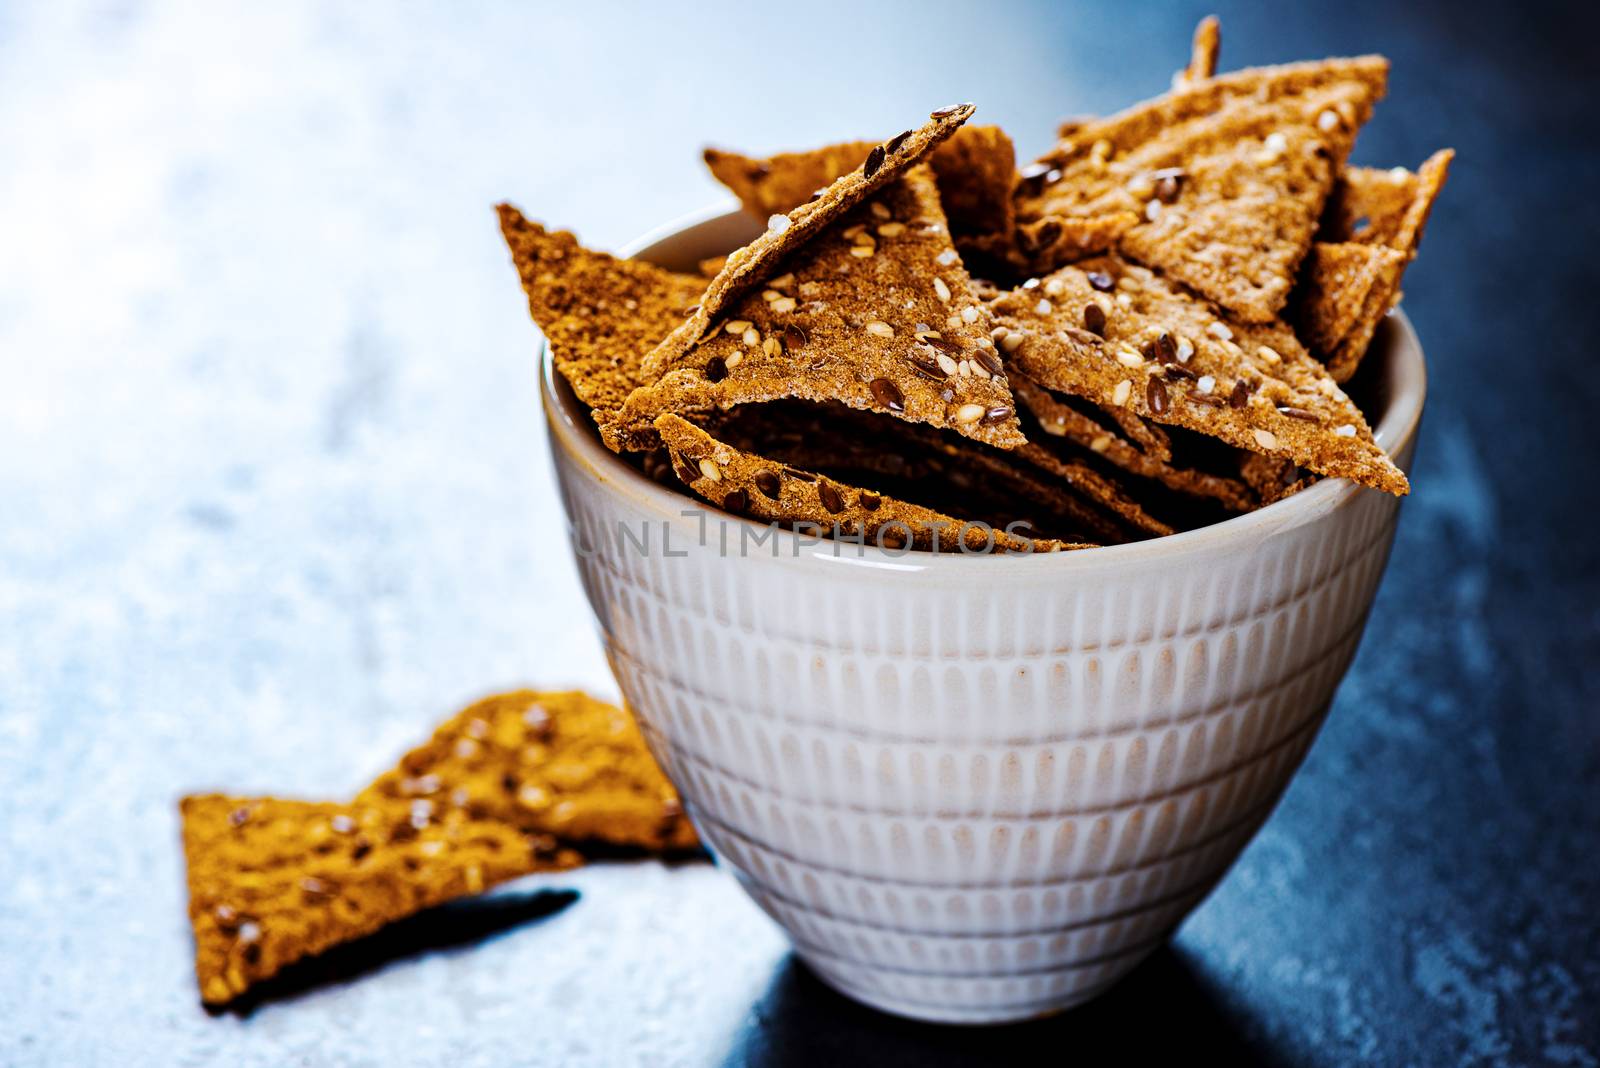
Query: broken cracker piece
<point>748,266</point>
<point>1058,418</point>
<point>876,312</point>
<point>600,315</point>
<point>1228,176</point>
<point>1202,54</point>
<point>975,169</point>
<point>1171,357</point>
<point>1351,279</point>
<point>752,486</point>
<point>561,764</point>
<point>273,881</point>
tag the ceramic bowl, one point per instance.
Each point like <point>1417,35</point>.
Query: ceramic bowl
<point>975,789</point>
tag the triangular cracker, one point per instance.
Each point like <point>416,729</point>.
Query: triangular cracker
<point>875,312</point>
<point>758,488</point>
<point>975,168</point>
<point>273,881</point>
<point>1058,418</point>
<point>746,267</point>
<point>1172,358</point>
<point>562,764</point>
<point>1057,496</point>
<point>1351,278</point>
<point>1228,176</point>
<point>600,315</point>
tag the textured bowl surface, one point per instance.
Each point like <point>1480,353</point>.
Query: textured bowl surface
<point>977,789</point>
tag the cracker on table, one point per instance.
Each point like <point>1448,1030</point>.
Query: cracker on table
<point>1058,418</point>
<point>600,315</point>
<point>1351,279</point>
<point>1228,176</point>
<point>787,231</point>
<point>273,881</point>
<point>1171,357</point>
<point>1202,53</point>
<point>559,763</point>
<point>975,169</point>
<point>875,312</point>
<point>758,488</point>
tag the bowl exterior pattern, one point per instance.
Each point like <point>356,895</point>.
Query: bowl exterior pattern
<point>986,792</point>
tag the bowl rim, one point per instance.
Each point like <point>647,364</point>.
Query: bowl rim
<point>572,430</point>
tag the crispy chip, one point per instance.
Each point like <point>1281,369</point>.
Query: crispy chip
<point>876,312</point>
<point>1227,176</point>
<point>1168,356</point>
<point>1056,496</point>
<point>1203,53</point>
<point>758,488</point>
<point>273,881</point>
<point>1351,278</point>
<point>600,315</point>
<point>975,168</point>
<point>746,267</point>
<point>561,764</point>
<point>1058,418</point>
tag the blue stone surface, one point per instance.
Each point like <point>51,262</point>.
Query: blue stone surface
<point>275,496</point>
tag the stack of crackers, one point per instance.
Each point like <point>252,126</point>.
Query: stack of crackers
<point>1145,330</point>
<point>518,783</point>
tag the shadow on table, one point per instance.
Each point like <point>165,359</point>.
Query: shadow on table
<point>460,924</point>
<point>1163,1013</point>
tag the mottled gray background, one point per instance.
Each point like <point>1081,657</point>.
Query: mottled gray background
<point>274,496</point>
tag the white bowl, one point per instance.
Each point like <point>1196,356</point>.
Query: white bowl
<point>977,789</point>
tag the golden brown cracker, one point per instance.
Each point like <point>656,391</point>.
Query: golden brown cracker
<point>1203,53</point>
<point>1060,419</point>
<point>1057,239</point>
<point>1273,478</point>
<point>975,168</point>
<point>561,764</point>
<point>788,231</point>
<point>273,881</point>
<point>752,486</point>
<point>1228,176</point>
<point>1351,278</point>
<point>1171,357</point>
<point>876,312</point>
<point>600,315</point>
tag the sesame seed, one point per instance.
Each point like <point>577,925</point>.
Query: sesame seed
<point>751,336</point>
<point>1142,185</point>
<point>1152,211</point>
<point>1012,341</point>
<point>736,326</point>
<point>1219,329</point>
<point>1129,358</point>
<point>964,369</point>
<point>711,470</point>
<point>1101,443</point>
<point>1327,121</point>
<point>945,258</point>
<point>969,314</point>
<point>861,251</point>
<point>969,413</point>
<point>880,329</point>
<point>1269,354</point>
<point>733,359</point>
<point>1032,283</point>
<point>1044,307</point>
<point>783,281</point>
<point>947,364</point>
<point>1206,384</point>
<point>998,334</point>
<point>1124,390</point>
<point>772,346</point>
<point>1345,431</point>
<point>891,229</point>
<point>784,304</point>
<point>1055,287</point>
<point>1265,438</point>
<point>941,290</point>
<point>1124,301</point>
<point>777,224</point>
<point>881,210</point>
<point>770,295</point>
<point>1185,349</point>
